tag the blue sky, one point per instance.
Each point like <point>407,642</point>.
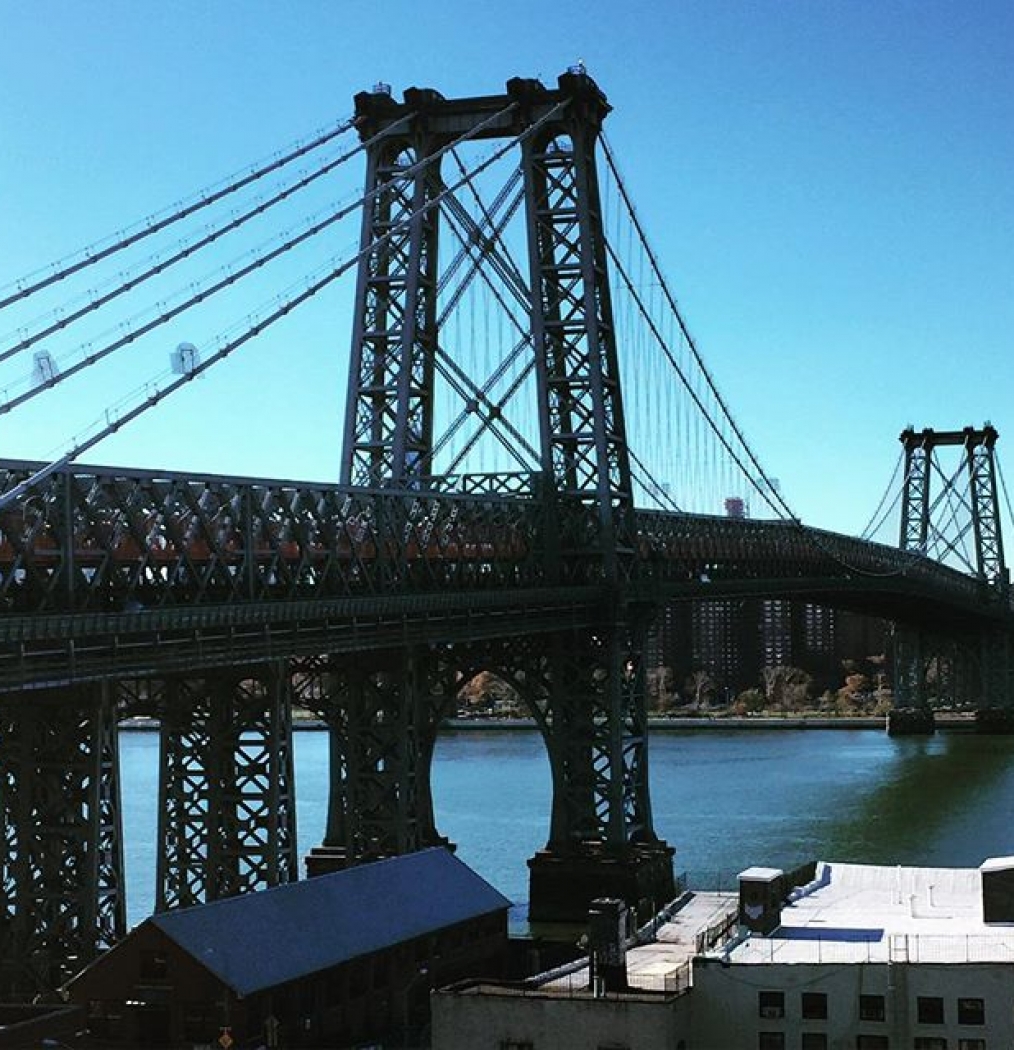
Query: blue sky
<point>830,188</point>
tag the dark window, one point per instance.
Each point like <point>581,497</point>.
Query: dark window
<point>871,1008</point>
<point>872,1042</point>
<point>929,1009</point>
<point>971,1044</point>
<point>771,1004</point>
<point>514,1044</point>
<point>771,1041</point>
<point>814,1041</point>
<point>971,1011</point>
<point>154,966</point>
<point>814,1006</point>
<point>929,1042</point>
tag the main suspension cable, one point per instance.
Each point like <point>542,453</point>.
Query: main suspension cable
<point>93,255</point>
<point>657,270</point>
<point>231,278</point>
<point>158,395</point>
<point>876,522</point>
<point>187,250</point>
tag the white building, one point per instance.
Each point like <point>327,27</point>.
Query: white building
<point>861,957</point>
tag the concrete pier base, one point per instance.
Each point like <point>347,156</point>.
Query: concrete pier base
<point>911,721</point>
<point>563,885</point>
<point>995,720</point>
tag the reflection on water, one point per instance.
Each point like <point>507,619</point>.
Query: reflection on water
<point>724,800</point>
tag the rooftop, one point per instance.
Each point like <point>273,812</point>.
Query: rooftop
<point>855,913</point>
<point>260,940</point>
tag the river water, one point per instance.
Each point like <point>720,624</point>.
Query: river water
<point>724,799</point>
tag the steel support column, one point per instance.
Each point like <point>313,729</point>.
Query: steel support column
<point>590,705</point>
<point>583,432</point>
<point>382,715</point>
<point>61,866</point>
<point>227,812</point>
<point>389,410</point>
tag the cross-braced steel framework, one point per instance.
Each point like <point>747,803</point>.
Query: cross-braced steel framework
<point>942,510</point>
<point>591,705</point>
<point>61,867</point>
<point>211,602</point>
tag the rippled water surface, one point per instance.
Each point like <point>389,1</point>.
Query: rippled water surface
<point>723,799</point>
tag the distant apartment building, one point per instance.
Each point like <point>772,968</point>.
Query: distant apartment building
<point>859,956</point>
<point>733,640</point>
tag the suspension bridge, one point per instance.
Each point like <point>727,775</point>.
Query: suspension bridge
<point>534,464</point>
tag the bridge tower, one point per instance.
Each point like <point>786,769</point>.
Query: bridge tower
<point>954,515</point>
<point>590,697</point>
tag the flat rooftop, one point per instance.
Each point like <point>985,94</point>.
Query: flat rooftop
<point>854,913</point>
<point>662,965</point>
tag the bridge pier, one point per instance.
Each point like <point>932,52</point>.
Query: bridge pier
<point>933,670</point>
<point>227,820</point>
<point>382,711</point>
<point>590,705</point>
<point>61,857</point>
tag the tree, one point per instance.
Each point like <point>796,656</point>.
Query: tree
<point>701,686</point>
<point>787,688</point>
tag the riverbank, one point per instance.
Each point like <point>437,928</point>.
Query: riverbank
<point>945,720</point>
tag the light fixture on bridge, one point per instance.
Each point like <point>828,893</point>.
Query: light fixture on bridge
<point>44,368</point>
<point>184,359</point>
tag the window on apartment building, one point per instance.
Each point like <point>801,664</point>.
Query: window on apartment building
<point>971,1044</point>
<point>871,1008</point>
<point>771,1004</point>
<point>929,1042</point>
<point>770,1041</point>
<point>813,1006</point>
<point>814,1041</point>
<point>971,1011</point>
<point>872,1042</point>
<point>929,1009</point>
<point>515,1044</point>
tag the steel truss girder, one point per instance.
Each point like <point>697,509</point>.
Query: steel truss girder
<point>382,710</point>
<point>227,821</point>
<point>389,411</point>
<point>61,865</point>
<point>94,540</point>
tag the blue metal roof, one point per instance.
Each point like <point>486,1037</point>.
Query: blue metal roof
<point>263,939</point>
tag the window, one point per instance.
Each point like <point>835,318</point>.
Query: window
<point>971,1011</point>
<point>771,1041</point>
<point>154,966</point>
<point>514,1044</point>
<point>871,1008</point>
<point>929,1042</point>
<point>929,1009</point>
<point>971,1044</point>
<point>814,1006</point>
<point>814,1041</point>
<point>771,1004</point>
<point>872,1042</point>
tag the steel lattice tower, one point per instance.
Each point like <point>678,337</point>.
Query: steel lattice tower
<point>934,520</point>
<point>590,698</point>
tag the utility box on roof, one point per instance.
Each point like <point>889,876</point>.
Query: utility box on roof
<point>760,899</point>
<point>997,889</point>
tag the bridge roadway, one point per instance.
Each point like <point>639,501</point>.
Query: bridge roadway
<point>106,572</point>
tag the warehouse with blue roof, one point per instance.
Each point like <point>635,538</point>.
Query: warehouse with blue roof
<point>329,961</point>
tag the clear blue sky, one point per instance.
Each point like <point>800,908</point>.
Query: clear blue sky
<point>830,187</point>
